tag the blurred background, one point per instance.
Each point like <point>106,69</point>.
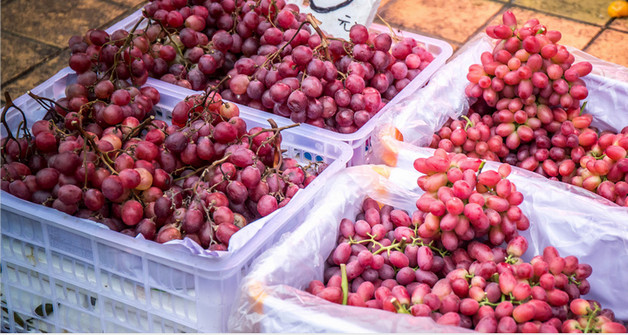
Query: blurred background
<point>35,32</point>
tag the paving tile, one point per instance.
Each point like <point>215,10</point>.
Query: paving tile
<point>611,46</point>
<point>19,53</point>
<point>54,22</point>
<point>37,76</point>
<point>383,3</point>
<point>591,11</point>
<point>452,20</point>
<point>574,33</point>
<point>620,24</point>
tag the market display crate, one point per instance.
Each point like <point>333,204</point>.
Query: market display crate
<point>415,121</point>
<point>273,296</point>
<point>65,274</point>
<point>360,140</point>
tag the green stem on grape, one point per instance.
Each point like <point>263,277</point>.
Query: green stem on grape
<point>494,277</point>
<point>469,122</point>
<point>590,318</point>
<point>344,284</point>
<point>416,241</point>
<point>401,309</point>
<point>572,279</point>
<point>582,108</point>
<point>511,259</point>
<point>481,167</point>
<point>485,302</point>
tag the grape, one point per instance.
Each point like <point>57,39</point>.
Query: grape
<point>70,194</point>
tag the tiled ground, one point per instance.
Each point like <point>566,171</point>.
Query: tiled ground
<point>585,24</point>
<point>35,32</point>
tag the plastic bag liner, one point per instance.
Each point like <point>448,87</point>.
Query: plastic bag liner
<point>418,116</point>
<point>271,297</point>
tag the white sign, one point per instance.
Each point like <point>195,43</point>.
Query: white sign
<point>337,16</point>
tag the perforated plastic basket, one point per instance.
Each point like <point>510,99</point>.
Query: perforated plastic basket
<point>65,274</point>
<point>360,140</point>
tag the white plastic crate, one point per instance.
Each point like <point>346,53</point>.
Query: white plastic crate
<point>65,274</point>
<point>272,296</point>
<point>360,140</point>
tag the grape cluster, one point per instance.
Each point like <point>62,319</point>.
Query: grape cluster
<point>226,175</point>
<point>273,58</point>
<point>528,63</point>
<point>107,159</point>
<point>546,131</point>
<point>107,62</point>
<point>416,264</point>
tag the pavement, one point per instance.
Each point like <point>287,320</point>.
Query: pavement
<point>35,32</point>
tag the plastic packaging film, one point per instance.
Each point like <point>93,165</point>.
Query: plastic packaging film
<point>417,117</point>
<point>270,299</point>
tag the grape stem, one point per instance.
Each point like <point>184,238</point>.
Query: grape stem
<point>271,57</point>
<point>324,39</point>
<point>401,309</point>
<point>469,122</point>
<point>138,128</point>
<point>590,318</point>
<point>23,124</point>
<point>344,284</point>
<point>127,41</point>
<point>53,113</point>
<point>582,108</point>
<point>572,279</point>
<point>481,167</point>
<point>176,46</point>
<point>416,241</point>
<point>86,137</point>
<point>206,167</point>
<point>511,259</point>
<point>485,302</point>
<point>275,130</point>
<point>395,37</point>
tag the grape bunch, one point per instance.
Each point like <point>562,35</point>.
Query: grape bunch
<point>203,177</point>
<point>107,62</point>
<point>527,63</point>
<point>456,213</point>
<point>386,260</point>
<point>538,132</point>
<point>225,175</point>
<point>277,59</point>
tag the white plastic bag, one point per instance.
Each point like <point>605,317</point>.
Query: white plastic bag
<point>418,116</point>
<point>271,298</point>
